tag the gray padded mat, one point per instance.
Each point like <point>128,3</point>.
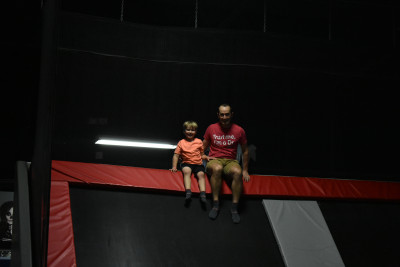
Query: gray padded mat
<point>302,233</point>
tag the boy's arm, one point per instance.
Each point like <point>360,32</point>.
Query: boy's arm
<point>175,159</point>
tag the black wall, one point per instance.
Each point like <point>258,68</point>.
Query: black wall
<point>19,81</point>
<point>311,81</point>
<point>315,100</point>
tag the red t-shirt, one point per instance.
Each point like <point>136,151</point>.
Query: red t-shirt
<point>190,152</point>
<point>223,143</point>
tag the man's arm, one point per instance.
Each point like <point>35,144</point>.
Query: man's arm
<point>245,162</point>
<point>206,144</point>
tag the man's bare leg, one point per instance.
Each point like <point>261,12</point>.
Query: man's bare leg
<point>215,170</point>
<point>237,186</point>
<point>237,183</point>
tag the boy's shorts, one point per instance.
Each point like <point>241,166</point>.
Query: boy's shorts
<point>195,168</point>
<point>227,164</point>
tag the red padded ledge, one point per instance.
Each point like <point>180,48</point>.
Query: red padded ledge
<point>61,245</point>
<point>259,185</point>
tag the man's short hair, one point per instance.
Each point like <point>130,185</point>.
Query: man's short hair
<point>225,105</point>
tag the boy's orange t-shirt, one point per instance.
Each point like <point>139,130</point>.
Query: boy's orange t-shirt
<point>190,152</point>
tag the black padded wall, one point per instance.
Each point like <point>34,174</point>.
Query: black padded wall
<point>308,110</point>
<point>312,105</point>
<point>124,228</point>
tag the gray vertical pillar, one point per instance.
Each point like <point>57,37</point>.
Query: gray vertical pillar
<point>21,248</point>
<point>41,160</point>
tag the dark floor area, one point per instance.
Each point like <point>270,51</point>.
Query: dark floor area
<point>366,233</point>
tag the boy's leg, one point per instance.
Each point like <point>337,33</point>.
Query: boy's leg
<point>187,172</point>
<point>202,186</point>
<point>202,181</point>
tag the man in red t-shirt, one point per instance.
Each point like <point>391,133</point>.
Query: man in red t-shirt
<point>223,139</point>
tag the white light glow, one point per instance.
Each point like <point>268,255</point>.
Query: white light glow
<point>133,144</point>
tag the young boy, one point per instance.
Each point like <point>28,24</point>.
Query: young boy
<point>190,150</point>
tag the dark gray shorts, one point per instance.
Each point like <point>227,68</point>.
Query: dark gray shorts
<point>195,168</point>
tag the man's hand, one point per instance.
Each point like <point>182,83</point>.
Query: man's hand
<point>207,158</point>
<point>173,169</point>
<point>246,176</point>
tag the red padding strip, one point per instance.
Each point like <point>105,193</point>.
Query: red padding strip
<point>61,247</point>
<point>259,184</point>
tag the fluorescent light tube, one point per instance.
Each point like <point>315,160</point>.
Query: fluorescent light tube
<point>134,144</point>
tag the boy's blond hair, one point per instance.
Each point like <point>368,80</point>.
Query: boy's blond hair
<point>190,124</point>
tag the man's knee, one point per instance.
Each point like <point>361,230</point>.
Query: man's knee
<point>214,168</point>
<point>235,172</point>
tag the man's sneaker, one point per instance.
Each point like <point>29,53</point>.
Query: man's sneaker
<point>213,213</point>
<point>235,216</point>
